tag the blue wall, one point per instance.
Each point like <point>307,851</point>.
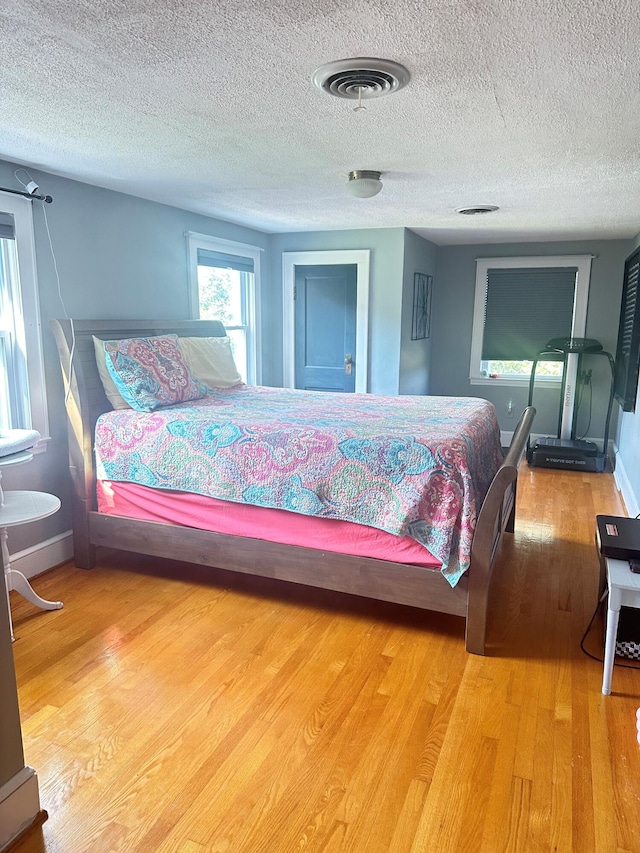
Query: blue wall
<point>415,356</point>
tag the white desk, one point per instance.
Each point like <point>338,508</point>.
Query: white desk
<point>21,507</point>
<point>624,590</point>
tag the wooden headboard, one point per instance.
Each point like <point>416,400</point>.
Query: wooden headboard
<point>85,397</point>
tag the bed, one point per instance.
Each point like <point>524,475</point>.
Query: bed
<point>457,584</point>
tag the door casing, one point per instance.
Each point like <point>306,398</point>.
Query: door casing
<point>290,260</point>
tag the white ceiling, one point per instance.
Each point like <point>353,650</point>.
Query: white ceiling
<point>532,105</point>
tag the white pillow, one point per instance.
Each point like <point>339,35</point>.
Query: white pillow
<point>113,395</point>
<point>211,361</point>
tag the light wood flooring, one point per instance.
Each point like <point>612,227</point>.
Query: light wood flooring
<point>168,711</point>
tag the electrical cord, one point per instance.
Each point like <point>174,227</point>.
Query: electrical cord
<point>590,408</point>
<point>19,179</point>
<point>64,310</point>
<point>588,628</point>
<point>57,275</point>
<point>582,381</point>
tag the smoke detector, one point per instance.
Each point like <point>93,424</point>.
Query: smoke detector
<point>477,209</point>
<point>360,78</point>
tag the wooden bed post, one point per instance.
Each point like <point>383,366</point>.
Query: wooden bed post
<point>80,440</point>
<point>84,553</point>
<point>497,515</point>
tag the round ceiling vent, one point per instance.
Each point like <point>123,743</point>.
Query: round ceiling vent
<point>475,211</point>
<point>363,77</point>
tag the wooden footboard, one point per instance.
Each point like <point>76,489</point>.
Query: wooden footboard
<point>378,579</point>
<point>496,516</point>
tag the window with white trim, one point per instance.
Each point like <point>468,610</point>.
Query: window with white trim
<point>224,285</point>
<point>23,403</point>
<point>520,305</point>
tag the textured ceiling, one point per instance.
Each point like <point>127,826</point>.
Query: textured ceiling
<point>532,105</point>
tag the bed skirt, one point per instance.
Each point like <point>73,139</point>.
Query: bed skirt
<point>274,525</point>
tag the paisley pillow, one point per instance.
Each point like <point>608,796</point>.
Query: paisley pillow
<point>151,372</point>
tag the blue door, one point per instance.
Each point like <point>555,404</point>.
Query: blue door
<point>325,327</point>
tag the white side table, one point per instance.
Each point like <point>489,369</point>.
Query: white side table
<point>624,590</point>
<point>20,507</point>
<point>9,462</point>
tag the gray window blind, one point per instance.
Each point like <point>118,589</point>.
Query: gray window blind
<point>220,260</point>
<point>6,226</point>
<point>524,309</point>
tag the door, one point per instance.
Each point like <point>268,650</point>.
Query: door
<point>325,327</point>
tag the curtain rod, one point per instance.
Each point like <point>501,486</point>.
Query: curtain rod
<point>46,198</point>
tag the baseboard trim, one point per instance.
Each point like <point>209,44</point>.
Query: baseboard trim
<point>45,555</point>
<point>623,483</point>
<point>19,806</point>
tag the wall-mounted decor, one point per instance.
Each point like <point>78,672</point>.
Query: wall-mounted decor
<point>421,318</point>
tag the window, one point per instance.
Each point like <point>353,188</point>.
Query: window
<point>224,286</point>
<point>22,389</point>
<point>520,305</point>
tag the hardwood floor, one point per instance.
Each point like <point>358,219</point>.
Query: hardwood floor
<point>168,711</point>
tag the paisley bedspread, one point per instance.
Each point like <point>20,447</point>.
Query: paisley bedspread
<point>416,466</point>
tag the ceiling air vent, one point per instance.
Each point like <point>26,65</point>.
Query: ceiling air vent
<point>363,77</point>
<point>475,211</point>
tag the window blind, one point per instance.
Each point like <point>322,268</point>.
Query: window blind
<point>6,226</point>
<point>628,348</point>
<point>220,260</point>
<point>524,309</point>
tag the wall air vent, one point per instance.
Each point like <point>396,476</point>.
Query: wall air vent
<point>360,78</point>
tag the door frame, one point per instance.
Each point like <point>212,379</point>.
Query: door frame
<point>359,257</point>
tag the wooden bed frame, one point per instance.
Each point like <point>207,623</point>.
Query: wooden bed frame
<point>363,576</point>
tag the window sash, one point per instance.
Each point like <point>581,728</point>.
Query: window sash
<point>227,254</point>
<point>23,353</point>
<point>16,413</point>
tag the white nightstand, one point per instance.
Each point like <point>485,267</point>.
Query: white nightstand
<point>20,507</point>
<point>624,590</point>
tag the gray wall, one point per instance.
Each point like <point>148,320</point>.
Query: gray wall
<point>385,299</point>
<point>453,316</point>
<point>118,256</point>
<point>628,441</point>
<point>415,356</point>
